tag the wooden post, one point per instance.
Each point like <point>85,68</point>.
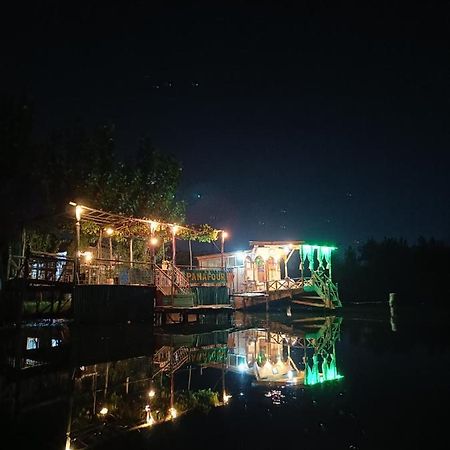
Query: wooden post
<point>106,379</point>
<point>221,250</point>
<point>131,251</point>
<point>223,383</point>
<point>171,380</point>
<point>77,254</point>
<point>99,244</point>
<point>94,389</point>
<point>190,254</point>
<point>266,272</point>
<point>8,264</point>
<point>174,249</point>
<point>24,240</point>
<point>392,310</point>
<point>70,412</point>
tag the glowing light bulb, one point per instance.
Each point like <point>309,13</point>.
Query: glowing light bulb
<point>78,210</point>
<point>88,256</point>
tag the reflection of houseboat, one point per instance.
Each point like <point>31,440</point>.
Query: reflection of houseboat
<point>292,354</point>
<point>263,273</point>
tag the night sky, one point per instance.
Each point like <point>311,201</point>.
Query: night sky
<point>292,120</point>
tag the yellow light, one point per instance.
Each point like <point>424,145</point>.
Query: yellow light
<point>78,210</point>
<point>104,411</point>
<point>224,234</point>
<point>109,231</point>
<point>88,256</point>
<point>154,241</point>
<point>175,229</point>
<point>226,398</point>
<point>151,393</point>
<point>153,225</point>
<point>173,412</point>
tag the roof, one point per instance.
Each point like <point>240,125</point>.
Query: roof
<point>219,255</point>
<point>274,243</point>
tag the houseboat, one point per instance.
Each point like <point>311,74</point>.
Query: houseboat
<point>264,273</point>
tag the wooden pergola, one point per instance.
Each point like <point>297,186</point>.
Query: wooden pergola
<point>130,227</point>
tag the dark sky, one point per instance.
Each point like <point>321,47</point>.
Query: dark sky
<point>292,120</point>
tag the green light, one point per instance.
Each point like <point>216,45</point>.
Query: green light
<point>315,246</point>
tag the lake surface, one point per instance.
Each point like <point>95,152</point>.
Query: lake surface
<point>372,381</point>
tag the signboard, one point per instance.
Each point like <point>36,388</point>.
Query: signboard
<point>198,277</point>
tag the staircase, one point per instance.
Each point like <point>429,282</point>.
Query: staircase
<point>170,361</point>
<point>326,290</point>
<point>172,284</point>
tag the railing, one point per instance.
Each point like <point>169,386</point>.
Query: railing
<point>171,280</point>
<point>276,285</point>
<point>288,283</point>
<point>104,271</point>
<point>45,267</point>
<point>162,355</point>
<point>174,360</point>
<point>326,289</point>
<point>42,267</point>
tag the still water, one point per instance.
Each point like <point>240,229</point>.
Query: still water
<point>358,380</point>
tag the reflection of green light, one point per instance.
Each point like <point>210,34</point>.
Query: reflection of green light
<point>329,372</point>
<point>324,247</point>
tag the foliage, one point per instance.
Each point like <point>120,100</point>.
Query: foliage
<point>77,164</point>
<point>202,400</point>
<point>200,233</point>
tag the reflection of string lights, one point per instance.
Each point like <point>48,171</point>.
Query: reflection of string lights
<point>149,418</point>
<point>275,396</point>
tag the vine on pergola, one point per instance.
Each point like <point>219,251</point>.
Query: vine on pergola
<point>141,230</point>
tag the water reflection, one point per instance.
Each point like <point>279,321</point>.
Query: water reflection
<point>86,385</point>
<point>301,352</point>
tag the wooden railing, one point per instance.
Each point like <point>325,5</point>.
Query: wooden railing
<point>326,289</point>
<point>288,283</point>
<point>276,285</point>
<point>51,268</point>
<point>171,280</point>
<point>104,271</point>
<point>42,267</point>
<point>173,359</point>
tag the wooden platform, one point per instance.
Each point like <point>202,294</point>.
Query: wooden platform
<point>201,309</point>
